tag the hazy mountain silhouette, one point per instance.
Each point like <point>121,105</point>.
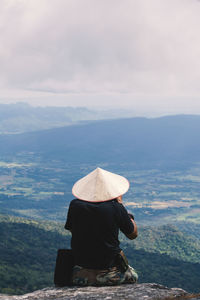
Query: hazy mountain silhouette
<point>168,139</point>
<point>22,117</point>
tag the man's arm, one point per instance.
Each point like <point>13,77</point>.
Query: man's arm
<point>68,224</point>
<point>133,234</point>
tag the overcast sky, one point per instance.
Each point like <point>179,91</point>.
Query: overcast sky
<point>143,54</point>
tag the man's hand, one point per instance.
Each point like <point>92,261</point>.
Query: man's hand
<point>131,215</point>
<point>119,199</point>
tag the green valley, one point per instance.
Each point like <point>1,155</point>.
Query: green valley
<point>31,187</point>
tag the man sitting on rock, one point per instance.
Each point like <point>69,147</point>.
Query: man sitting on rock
<point>94,219</point>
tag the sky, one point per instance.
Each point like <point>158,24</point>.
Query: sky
<point>142,55</point>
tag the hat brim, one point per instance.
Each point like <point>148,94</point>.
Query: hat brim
<point>100,186</point>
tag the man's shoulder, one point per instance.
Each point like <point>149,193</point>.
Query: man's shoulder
<point>75,201</point>
<point>79,203</point>
<point>109,203</point>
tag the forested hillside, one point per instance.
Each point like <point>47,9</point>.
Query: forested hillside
<point>28,252</point>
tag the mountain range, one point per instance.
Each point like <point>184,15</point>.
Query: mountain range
<point>22,117</point>
<point>166,141</point>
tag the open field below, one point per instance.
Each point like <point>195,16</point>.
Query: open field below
<point>32,188</point>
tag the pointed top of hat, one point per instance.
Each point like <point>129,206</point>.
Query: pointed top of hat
<point>100,185</point>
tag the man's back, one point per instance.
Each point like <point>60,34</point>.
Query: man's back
<point>95,228</point>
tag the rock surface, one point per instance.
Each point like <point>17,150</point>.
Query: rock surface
<point>145,291</point>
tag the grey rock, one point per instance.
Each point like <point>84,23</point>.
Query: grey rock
<point>145,291</point>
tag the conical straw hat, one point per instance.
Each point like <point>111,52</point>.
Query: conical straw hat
<point>100,185</point>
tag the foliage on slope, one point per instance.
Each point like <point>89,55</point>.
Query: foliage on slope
<point>28,251</point>
<point>168,240</point>
<point>190,228</point>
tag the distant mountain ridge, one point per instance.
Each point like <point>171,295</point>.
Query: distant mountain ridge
<point>165,140</point>
<point>22,117</point>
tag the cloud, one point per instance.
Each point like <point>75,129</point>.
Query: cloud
<point>132,47</point>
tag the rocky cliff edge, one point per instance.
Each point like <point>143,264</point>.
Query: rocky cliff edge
<point>145,291</point>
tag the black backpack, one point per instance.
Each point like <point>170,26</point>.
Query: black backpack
<point>64,268</point>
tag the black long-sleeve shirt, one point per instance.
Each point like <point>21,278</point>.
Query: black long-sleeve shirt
<point>95,228</point>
